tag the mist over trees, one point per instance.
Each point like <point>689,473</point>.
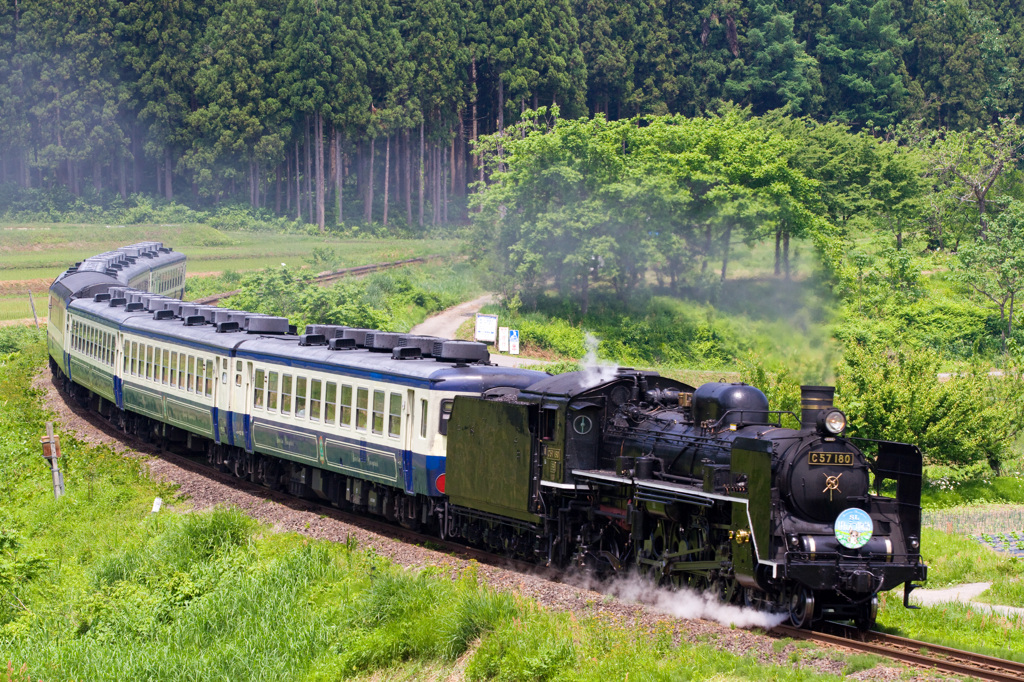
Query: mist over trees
<point>366,111</point>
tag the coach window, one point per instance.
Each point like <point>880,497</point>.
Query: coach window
<point>395,415</point>
<point>191,373</point>
<point>209,378</point>
<point>330,402</point>
<point>362,403</point>
<point>135,357</point>
<point>423,418</point>
<point>378,412</point>
<point>166,366</point>
<point>286,394</point>
<point>182,370</point>
<point>315,389</point>
<point>300,397</point>
<point>272,391</point>
<point>156,365</point>
<point>149,361</point>
<point>346,405</point>
<point>238,372</point>
<point>127,350</point>
<point>174,368</point>
<point>258,390</point>
<point>200,373</point>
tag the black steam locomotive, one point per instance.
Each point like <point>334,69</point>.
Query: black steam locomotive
<point>694,487</point>
<point>613,470</point>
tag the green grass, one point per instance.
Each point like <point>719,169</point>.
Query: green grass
<point>42,251</point>
<point>954,625</point>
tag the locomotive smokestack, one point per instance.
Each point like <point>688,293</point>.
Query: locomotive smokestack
<point>814,399</point>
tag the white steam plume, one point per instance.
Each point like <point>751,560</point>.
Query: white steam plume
<point>594,369</point>
<point>684,603</point>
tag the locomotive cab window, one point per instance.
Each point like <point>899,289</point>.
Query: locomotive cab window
<point>548,420</point>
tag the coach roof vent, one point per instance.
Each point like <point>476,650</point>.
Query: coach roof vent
<point>312,340</point>
<point>330,331</point>
<point>406,353</point>
<point>232,326</point>
<point>225,315</point>
<point>117,302</point>
<point>133,307</point>
<point>382,342</point>
<point>266,324</point>
<point>358,335</point>
<point>195,321</point>
<point>99,298</point>
<point>163,315</point>
<point>461,351</point>
<point>341,344</point>
<point>424,343</point>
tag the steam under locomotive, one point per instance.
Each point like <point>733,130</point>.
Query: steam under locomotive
<point>614,470</point>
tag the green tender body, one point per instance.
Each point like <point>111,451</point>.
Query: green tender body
<point>489,458</point>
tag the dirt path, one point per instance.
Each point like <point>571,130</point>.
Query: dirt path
<point>445,324</point>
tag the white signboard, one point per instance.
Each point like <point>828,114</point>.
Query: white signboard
<point>486,328</point>
<point>513,341</point>
<point>502,339</point>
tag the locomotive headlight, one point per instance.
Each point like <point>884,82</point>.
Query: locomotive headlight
<point>833,422</point>
<point>914,543</point>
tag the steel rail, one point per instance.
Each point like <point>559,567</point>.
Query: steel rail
<point>913,652</point>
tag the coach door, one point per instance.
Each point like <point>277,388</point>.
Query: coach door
<point>408,412</point>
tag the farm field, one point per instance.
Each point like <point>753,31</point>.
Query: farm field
<point>32,254</point>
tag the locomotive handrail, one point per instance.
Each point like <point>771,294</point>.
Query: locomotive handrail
<point>714,425</point>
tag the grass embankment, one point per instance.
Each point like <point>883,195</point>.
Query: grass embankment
<point>35,253</point>
<point>96,587</point>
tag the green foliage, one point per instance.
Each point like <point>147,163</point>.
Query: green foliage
<point>897,395</point>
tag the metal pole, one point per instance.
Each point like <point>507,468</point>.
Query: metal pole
<point>58,478</point>
<point>33,304</point>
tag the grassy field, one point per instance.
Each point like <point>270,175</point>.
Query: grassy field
<point>31,255</point>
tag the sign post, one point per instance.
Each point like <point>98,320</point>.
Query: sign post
<point>51,451</point>
<point>486,328</point>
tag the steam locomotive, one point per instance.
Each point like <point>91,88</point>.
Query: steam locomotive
<point>613,470</point>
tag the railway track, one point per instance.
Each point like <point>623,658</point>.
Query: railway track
<point>912,652</point>
<point>325,277</point>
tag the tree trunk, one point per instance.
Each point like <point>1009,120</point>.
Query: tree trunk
<point>726,238</point>
<point>1009,322</point>
<point>277,189</point>
<point>785,254</point>
<point>309,172</point>
<point>339,183</point>
<point>501,105</point>
<point>585,298</point>
<point>122,179</point>
<point>778,252</point>
<point>422,170</point>
<point>168,175</point>
<point>707,250</point>
<point>408,180</point>
<point>387,176</point>
<point>298,185</point>
<point>369,185</point>
<point>473,159</point>
<point>319,147</point>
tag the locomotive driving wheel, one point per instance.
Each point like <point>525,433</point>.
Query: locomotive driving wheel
<point>801,607</point>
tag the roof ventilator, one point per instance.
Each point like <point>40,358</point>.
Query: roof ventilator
<point>341,344</point>
<point>312,340</point>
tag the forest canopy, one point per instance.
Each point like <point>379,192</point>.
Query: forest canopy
<point>367,110</point>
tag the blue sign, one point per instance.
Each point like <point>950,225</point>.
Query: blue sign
<point>513,341</point>
<point>853,528</point>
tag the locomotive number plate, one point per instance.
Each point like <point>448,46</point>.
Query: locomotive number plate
<point>844,459</point>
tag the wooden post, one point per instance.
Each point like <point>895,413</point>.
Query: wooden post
<point>33,304</point>
<point>51,451</point>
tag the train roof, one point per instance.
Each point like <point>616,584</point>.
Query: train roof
<point>120,266</point>
<point>285,349</point>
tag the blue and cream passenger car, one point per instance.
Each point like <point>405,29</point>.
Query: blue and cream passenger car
<point>352,416</point>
